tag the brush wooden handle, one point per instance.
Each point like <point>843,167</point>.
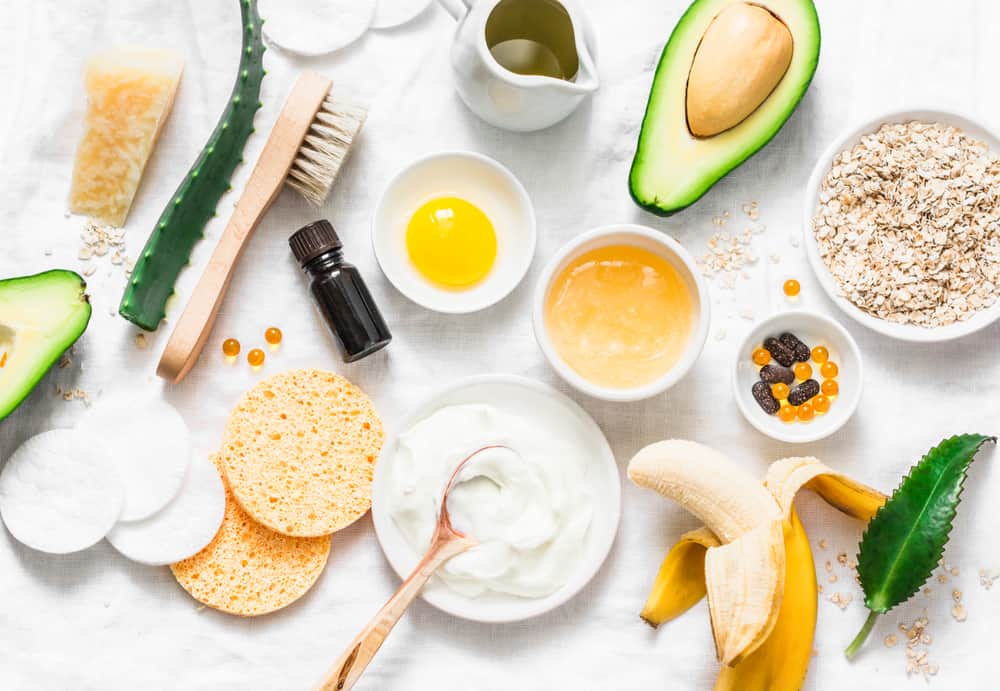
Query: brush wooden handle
<point>192,329</point>
<point>352,663</point>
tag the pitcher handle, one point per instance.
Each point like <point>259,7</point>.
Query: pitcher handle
<point>456,8</point>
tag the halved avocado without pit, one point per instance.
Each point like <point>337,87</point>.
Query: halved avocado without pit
<point>730,51</point>
<point>41,316</point>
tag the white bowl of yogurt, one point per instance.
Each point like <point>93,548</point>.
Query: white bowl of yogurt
<point>545,516</point>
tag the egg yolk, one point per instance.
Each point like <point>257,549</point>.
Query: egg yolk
<point>451,242</point>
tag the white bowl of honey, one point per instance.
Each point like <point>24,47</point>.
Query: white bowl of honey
<point>621,312</point>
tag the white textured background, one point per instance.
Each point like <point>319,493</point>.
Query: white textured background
<point>96,621</point>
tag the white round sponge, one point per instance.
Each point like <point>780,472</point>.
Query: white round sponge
<point>60,492</point>
<point>180,529</point>
<point>148,440</point>
<point>315,27</point>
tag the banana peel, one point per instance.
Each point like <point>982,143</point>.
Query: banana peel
<point>760,651</point>
<point>744,575</point>
<point>680,582</point>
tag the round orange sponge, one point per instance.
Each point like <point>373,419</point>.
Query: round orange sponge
<point>299,451</point>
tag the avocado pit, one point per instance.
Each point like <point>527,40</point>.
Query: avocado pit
<point>741,58</point>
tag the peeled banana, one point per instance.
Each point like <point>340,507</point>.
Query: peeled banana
<point>752,559</point>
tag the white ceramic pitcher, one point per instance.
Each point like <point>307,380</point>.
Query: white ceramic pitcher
<point>507,99</point>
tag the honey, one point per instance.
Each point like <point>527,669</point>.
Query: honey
<point>619,316</point>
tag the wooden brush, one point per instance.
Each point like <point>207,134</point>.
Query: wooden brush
<point>308,145</point>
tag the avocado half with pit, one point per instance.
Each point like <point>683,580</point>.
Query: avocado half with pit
<point>730,76</point>
<point>41,316</point>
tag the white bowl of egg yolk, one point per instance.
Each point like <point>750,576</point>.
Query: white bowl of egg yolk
<point>621,312</point>
<point>454,232</point>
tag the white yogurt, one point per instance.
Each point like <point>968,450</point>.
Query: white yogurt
<point>530,509</point>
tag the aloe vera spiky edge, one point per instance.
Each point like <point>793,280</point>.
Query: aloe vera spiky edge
<point>190,208</point>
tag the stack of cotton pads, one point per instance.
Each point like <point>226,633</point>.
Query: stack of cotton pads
<point>125,472</point>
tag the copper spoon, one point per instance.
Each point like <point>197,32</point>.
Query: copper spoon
<point>445,544</point>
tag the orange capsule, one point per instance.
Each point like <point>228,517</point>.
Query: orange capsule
<point>255,357</point>
<point>803,371</point>
<point>830,387</point>
<point>273,335</point>
<point>761,356</point>
<point>780,390</point>
<point>786,413</point>
<point>230,347</point>
<point>805,412</point>
<point>792,287</point>
<point>820,354</point>
<point>821,404</point>
<point>829,369</point>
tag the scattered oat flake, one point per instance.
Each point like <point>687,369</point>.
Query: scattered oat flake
<point>891,640</point>
<point>987,578</point>
<point>823,543</point>
<point>140,341</point>
<point>958,612</point>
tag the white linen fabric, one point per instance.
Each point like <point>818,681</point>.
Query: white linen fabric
<point>94,620</point>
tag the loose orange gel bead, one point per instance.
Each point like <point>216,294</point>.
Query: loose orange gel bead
<point>792,287</point>
<point>255,357</point>
<point>273,335</point>
<point>230,347</point>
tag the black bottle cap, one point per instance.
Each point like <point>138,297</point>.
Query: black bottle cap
<point>313,240</point>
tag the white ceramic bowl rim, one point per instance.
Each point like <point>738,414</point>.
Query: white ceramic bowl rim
<point>696,342</point>
<point>607,523</point>
<point>819,428</point>
<point>526,207</point>
<point>850,136</point>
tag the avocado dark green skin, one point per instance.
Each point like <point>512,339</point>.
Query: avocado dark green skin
<point>12,396</point>
<point>662,72</point>
<point>182,223</point>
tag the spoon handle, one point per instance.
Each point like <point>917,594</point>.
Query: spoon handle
<point>353,661</point>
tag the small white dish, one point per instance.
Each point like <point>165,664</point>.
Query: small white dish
<point>479,180</point>
<point>813,329</point>
<point>904,332</point>
<point>523,397</point>
<point>653,241</point>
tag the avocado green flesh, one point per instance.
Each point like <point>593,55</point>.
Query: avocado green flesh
<point>41,316</point>
<point>672,168</point>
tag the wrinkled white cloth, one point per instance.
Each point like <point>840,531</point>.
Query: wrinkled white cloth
<point>96,621</point>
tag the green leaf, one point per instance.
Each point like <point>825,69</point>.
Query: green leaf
<point>905,540</point>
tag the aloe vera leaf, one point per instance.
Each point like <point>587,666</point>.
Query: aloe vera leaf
<point>190,208</point>
<point>905,541</point>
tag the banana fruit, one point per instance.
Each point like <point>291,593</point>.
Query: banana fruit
<point>752,560</point>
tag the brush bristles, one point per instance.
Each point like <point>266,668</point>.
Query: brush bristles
<point>325,148</point>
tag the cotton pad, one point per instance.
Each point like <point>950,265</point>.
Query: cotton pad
<point>147,438</point>
<point>315,27</point>
<point>180,529</point>
<point>60,492</point>
<point>390,13</point>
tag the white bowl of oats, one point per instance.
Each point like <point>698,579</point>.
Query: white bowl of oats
<point>902,224</point>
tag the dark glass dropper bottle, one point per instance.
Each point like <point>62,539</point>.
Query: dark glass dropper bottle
<point>340,292</point>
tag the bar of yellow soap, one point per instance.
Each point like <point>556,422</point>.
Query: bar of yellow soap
<point>129,95</point>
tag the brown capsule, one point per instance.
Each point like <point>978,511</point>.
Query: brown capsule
<point>803,392</point>
<point>772,374</point>
<point>765,399</point>
<point>779,351</point>
<point>800,350</point>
